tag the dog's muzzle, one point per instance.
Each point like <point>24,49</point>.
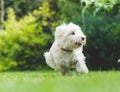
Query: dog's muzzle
<point>81,41</point>
<point>78,43</point>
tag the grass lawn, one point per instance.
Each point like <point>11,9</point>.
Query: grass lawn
<point>50,81</point>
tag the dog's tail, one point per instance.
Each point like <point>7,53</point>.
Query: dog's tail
<point>49,60</point>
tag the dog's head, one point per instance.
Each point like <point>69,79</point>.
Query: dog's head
<point>70,36</point>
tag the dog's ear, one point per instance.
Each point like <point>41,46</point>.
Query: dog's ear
<point>60,30</point>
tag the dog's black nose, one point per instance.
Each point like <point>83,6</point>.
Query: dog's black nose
<point>83,38</point>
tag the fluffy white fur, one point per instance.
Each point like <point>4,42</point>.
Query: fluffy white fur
<point>66,51</point>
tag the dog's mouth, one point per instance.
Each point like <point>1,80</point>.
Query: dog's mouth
<point>78,43</point>
<point>81,42</point>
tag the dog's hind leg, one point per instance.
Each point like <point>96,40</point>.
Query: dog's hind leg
<point>49,60</point>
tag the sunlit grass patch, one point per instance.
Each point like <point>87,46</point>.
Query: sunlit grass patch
<point>51,81</point>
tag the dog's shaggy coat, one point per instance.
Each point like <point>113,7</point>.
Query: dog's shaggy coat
<point>66,51</point>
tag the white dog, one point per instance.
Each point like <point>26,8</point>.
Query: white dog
<point>66,51</point>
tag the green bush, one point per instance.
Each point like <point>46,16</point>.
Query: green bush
<point>100,22</point>
<point>22,42</point>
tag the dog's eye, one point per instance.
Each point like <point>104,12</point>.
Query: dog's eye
<point>73,33</point>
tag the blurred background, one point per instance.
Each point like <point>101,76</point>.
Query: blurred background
<point>27,31</point>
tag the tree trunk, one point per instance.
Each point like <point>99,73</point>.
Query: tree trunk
<point>1,13</point>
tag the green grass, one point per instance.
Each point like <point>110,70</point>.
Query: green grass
<point>50,81</point>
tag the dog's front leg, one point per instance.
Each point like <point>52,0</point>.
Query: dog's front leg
<point>81,67</point>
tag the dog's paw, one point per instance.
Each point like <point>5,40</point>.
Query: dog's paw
<point>81,68</point>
